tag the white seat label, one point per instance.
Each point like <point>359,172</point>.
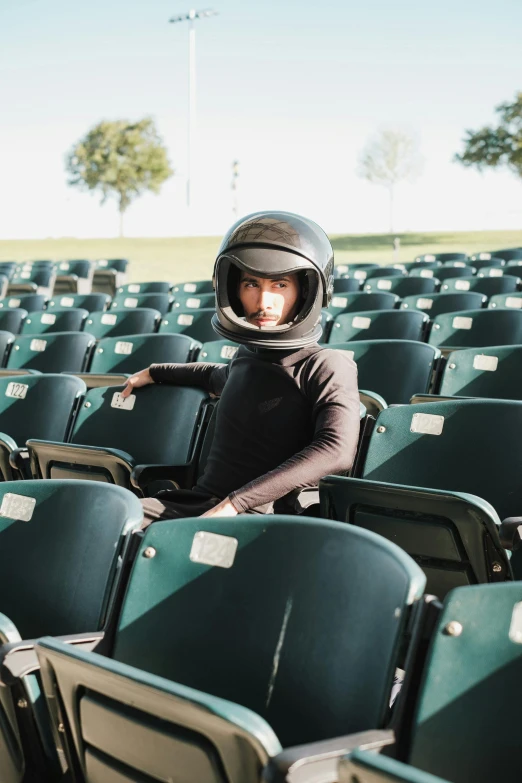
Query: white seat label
<point>424,304</point>
<point>514,301</point>
<point>123,347</point>
<point>108,319</point>
<point>484,256</point>
<point>427,424</point>
<point>48,318</point>
<point>16,390</point>
<point>185,320</point>
<point>38,345</point>
<point>342,269</point>
<point>462,285</point>
<point>14,303</point>
<point>360,274</point>
<point>483,362</point>
<point>64,266</point>
<point>130,302</point>
<point>399,266</point>
<point>103,262</point>
<point>123,403</point>
<point>194,303</point>
<point>25,275</point>
<point>384,285</point>
<point>426,273</point>
<point>27,267</point>
<point>17,506</point>
<point>134,288</point>
<point>190,288</point>
<point>66,301</point>
<point>213,549</point>
<point>460,322</point>
<point>228,351</point>
<point>496,272</point>
<point>339,301</point>
<point>429,258</point>
<point>359,322</point>
<point>457,263</point>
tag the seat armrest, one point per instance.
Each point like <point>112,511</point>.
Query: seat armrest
<point>510,533</point>
<point>19,462</point>
<point>318,762</point>
<point>19,658</point>
<point>183,476</point>
<point>43,453</point>
<point>302,499</point>
<point>94,380</point>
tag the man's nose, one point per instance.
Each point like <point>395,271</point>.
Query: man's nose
<point>266,300</point>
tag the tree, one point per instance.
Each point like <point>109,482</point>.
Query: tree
<point>497,146</point>
<point>120,159</point>
<point>388,158</point>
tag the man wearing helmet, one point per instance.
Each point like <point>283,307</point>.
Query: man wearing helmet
<point>289,408</point>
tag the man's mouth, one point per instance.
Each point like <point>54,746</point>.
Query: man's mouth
<point>265,320</point>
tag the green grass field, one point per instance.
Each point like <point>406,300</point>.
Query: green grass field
<point>191,258</point>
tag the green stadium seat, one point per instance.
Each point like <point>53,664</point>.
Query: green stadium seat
<point>8,268</point>
<point>378,324</point>
<point>424,270</point>
<point>491,271</point>
<point>141,320</point>
<point>93,303</point>
<point>427,485</point>
<point>116,264</point>
<point>466,725</point>
<point>35,406</point>
<point>362,301</point>
<point>385,271</point>
<point>408,266</point>
<point>477,328</point>
<point>444,273</point>
<point>481,260</point>
<point>407,286</point>
<point>512,301</point>
<point>511,254</point>
<point>514,265</point>
<point>54,352</point>
<point>170,710</point>
<point>195,323</point>
<point>437,304</point>
<point>65,545</point>
<point>109,275</point>
<point>157,287</point>
<point>116,357</point>
<point>484,285</point>
<point>37,281</point>
<point>393,368</point>
<point>159,302</point>
<point>442,257</point>
<point>194,287</point>
<point>349,269</point>
<point>159,425</point>
<point>30,302</point>
<point>75,276</point>
<point>12,320</point>
<point>348,285</point>
<point>190,302</point>
<point>218,351</point>
<point>484,372</point>
<point>67,320</point>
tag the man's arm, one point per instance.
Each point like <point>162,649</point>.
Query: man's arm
<point>211,377</point>
<point>330,383</point>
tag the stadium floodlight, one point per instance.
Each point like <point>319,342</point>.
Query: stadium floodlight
<point>190,17</point>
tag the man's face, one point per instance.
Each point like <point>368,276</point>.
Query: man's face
<point>269,302</point>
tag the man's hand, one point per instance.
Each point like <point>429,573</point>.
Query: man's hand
<point>136,381</point>
<point>223,509</point>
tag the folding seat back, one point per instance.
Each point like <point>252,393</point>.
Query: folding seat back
<point>491,271</point>
<point>349,303</point>
<point>512,301</point>
<point>195,323</point>
<point>410,265</point>
<point>219,351</point>
<point>477,328</point>
<point>133,352</point>
<point>385,271</point>
<point>347,285</point>
<point>90,302</point>
<point>379,324</point>
<point>393,368</point>
<point>424,270</point>
<point>220,717</point>
<point>486,261</point>
<point>406,286</point>
<point>7,268</point>
<point>514,264</point>
<point>29,302</point>
<point>510,254</point>
<point>349,269</point>
<point>38,280</point>
<point>484,285</point>
<point>156,287</point>
<point>12,320</point>
<point>109,275</point>
<point>75,276</point>
<point>451,258</point>
<point>66,320</point>
<point>54,352</point>
<point>191,302</point>
<point>159,302</point>
<point>444,273</point>
<point>116,264</point>
<point>436,304</point>
<point>451,529</point>
<point>159,425</point>
<point>80,267</point>
<point>366,766</point>
<point>141,320</point>
<point>194,287</point>
<point>484,372</point>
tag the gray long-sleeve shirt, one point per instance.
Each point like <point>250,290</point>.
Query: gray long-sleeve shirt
<point>284,420</point>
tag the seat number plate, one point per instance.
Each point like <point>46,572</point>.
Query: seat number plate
<point>213,549</point>
<point>427,424</point>
<point>514,301</point>
<point>194,303</point>
<point>425,304</point>
<point>361,323</point>
<point>14,303</point>
<point>66,301</point>
<point>339,301</point>
<point>17,506</point>
<point>38,345</point>
<point>123,403</point>
<point>459,322</point>
<point>228,351</point>
<point>190,288</point>
<point>462,285</point>
<point>108,319</point>
<point>16,390</point>
<point>426,273</point>
<point>48,318</point>
<point>483,362</point>
<point>123,347</point>
<point>384,285</point>
<point>134,288</point>
<point>130,302</point>
<point>185,320</point>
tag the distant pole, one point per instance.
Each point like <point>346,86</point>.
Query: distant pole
<point>233,185</point>
<point>189,17</point>
<point>396,249</point>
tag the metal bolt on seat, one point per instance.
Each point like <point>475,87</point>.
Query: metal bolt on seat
<point>453,628</point>
<point>381,429</point>
<point>149,552</point>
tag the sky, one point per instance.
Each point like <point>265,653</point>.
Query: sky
<point>292,90</point>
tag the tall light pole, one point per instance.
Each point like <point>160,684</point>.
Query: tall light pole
<point>189,17</point>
